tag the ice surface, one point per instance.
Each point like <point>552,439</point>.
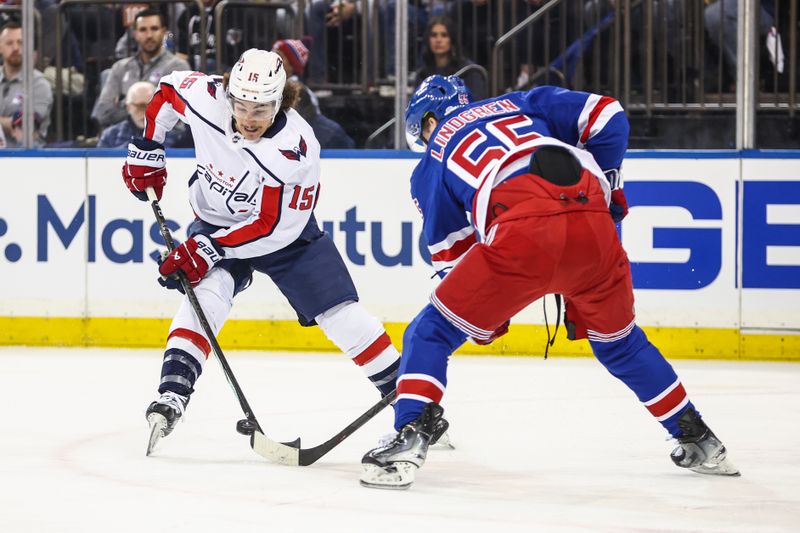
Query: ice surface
<point>551,446</point>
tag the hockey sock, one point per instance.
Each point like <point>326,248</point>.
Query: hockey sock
<point>187,347</point>
<point>362,337</point>
<point>636,362</point>
<point>427,344</point>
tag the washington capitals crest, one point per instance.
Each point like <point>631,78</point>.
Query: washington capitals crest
<point>212,85</point>
<point>297,152</point>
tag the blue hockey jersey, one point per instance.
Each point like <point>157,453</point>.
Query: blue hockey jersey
<point>469,142</point>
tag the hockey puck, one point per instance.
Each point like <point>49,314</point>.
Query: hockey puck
<point>246,426</point>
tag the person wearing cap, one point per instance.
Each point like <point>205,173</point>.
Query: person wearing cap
<point>330,133</point>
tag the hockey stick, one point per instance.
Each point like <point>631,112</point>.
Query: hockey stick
<point>243,426</point>
<point>296,456</point>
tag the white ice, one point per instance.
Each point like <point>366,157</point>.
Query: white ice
<point>551,446</point>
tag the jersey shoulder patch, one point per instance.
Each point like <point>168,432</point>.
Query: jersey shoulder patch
<point>297,152</point>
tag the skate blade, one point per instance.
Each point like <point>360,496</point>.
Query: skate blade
<point>157,426</point>
<point>444,442</point>
<point>397,476</point>
<point>722,468</point>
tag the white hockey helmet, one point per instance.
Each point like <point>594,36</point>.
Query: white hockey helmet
<point>255,87</point>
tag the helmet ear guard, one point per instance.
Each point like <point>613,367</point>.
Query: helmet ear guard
<point>437,96</point>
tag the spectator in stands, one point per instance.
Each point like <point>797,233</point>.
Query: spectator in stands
<point>441,56</point>
<point>418,13</point>
<point>323,15</point>
<point>601,16</point>
<point>328,132</point>
<point>126,45</point>
<point>150,63</point>
<point>11,95</point>
<point>478,19</point>
<point>721,20</point>
<point>48,13</point>
<point>189,38</point>
<point>119,135</point>
<point>480,26</point>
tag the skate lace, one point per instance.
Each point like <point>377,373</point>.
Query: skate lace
<point>175,401</point>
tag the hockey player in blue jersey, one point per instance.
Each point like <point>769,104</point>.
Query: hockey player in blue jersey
<point>515,194</point>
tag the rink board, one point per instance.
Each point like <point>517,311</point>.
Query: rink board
<point>713,238</point>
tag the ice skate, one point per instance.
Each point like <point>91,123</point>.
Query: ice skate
<point>394,465</point>
<point>699,449</point>
<point>440,436</point>
<point>162,415</point>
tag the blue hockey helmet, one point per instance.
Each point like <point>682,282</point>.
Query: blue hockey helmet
<point>437,96</point>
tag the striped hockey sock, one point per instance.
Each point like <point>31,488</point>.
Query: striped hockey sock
<point>184,357</point>
<point>633,359</point>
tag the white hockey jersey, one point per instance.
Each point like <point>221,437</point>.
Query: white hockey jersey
<point>261,192</point>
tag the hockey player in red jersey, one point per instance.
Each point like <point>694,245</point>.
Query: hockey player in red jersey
<point>515,195</point>
<point>253,194</point>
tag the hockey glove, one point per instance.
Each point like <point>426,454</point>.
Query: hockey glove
<point>618,206</point>
<point>195,258</point>
<point>614,177</point>
<point>172,282</point>
<point>496,334</point>
<point>145,167</point>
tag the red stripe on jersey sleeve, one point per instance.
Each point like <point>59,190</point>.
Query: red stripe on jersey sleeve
<point>193,337</point>
<point>668,402</point>
<point>598,108</point>
<point>165,95</point>
<point>373,350</point>
<point>420,387</point>
<point>264,225</point>
<point>457,250</point>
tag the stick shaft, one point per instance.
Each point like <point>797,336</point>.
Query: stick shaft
<point>201,317</point>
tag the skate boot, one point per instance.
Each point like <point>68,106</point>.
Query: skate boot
<point>699,449</point>
<point>163,414</point>
<point>394,465</point>
<point>440,436</point>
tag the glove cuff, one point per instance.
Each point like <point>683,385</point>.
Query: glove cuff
<point>146,144</point>
<point>209,249</point>
<point>147,153</point>
<point>614,177</point>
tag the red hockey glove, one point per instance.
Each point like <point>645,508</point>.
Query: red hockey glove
<point>496,334</point>
<point>618,206</point>
<point>194,257</point>
<point>145,167</point>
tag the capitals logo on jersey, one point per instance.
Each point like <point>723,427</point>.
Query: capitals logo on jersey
<point>297,152</point>
<point>212,88</point>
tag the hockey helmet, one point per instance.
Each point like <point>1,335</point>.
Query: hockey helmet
<point>255,87</point>
<point>437,96</point>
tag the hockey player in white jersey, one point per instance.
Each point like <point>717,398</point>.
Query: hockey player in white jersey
<point>253,194</point>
